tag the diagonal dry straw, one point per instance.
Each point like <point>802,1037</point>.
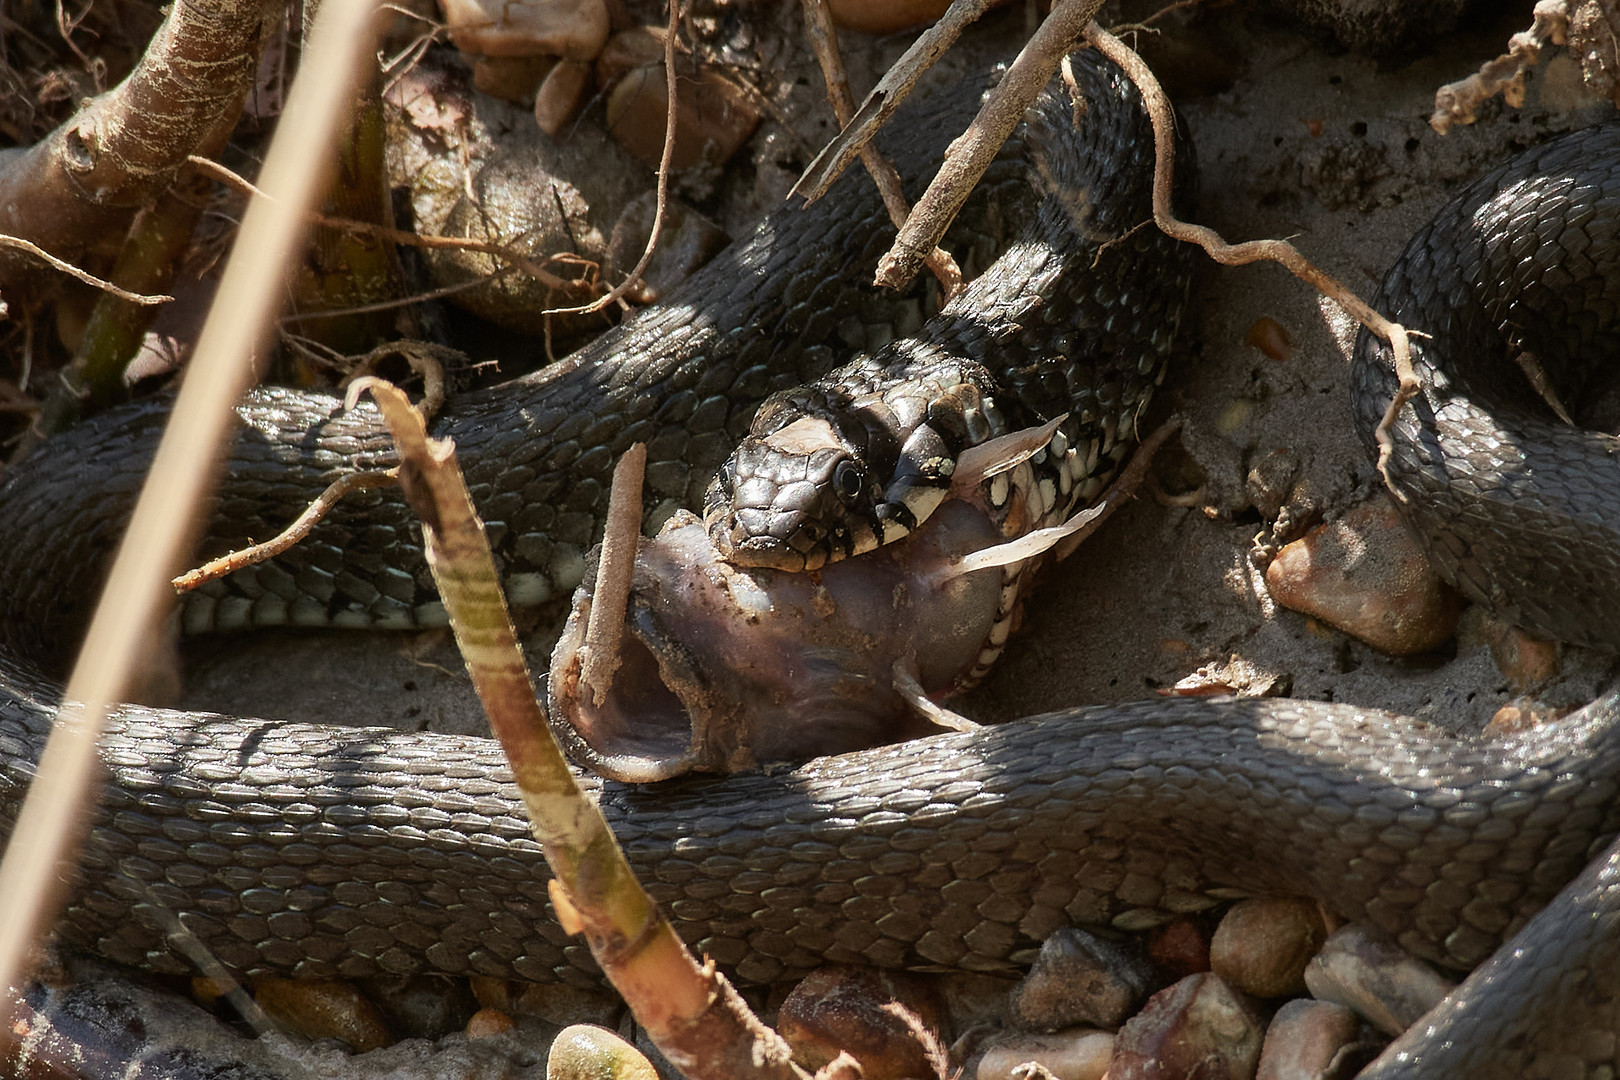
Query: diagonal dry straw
<point>51,823</point>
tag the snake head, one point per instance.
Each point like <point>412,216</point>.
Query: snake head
<point>800,490</point>
<point>822,477</point>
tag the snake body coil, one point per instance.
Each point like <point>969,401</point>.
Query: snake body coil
<point>314,850</point>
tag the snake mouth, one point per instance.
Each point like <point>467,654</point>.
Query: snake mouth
<point>726,668</point>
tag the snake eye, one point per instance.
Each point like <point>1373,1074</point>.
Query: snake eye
<point>848,480</point>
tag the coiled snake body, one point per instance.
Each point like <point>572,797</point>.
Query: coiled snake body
<point>314,850</point>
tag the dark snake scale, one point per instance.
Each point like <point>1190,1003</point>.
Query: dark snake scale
<point>318,851</point>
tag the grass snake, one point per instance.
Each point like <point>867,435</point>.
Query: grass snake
<point>318,850</point>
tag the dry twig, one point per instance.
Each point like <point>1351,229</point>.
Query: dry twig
<point>824,41</point>
<point>292,534</point>
<point>76,190</point>
<point>88,278</point>
<point>1279,251</point>
<point>972,153</point>
<point>693,1014</point>
<point>599,656</point>
<point>522,262</point>
<point>886,97</point>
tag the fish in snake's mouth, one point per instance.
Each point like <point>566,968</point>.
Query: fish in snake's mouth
<point>726,668</point>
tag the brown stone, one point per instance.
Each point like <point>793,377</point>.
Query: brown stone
<point>588,1052</point>
<point>1312,1040</point>
<point>1180,948</point>
<point>1262,946</point>
<point>713,119</point>
<point>488,1022</point>
<point>560,95</point>
<point>1524,660</point>
<point>1364,575</point>
<point>1359,968</point>
<point>839,1009</point>
<point>576,29</point>
<point>511,78</point>
<point>323,1009</point>
<point>1199,1027</point>
<point>1078,978</point>
<point>1078,1054</point>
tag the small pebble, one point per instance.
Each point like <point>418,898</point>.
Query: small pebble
<point>588,1052</point>
<point>1270,481</point>
<point>1364,575</point>
<point>1367,972</point>
<point>1080,1054</point>
<point>1524,660</point>
<point>1180,948</point>
<point>486,1023</point>
<point>1262,946</point>
<point>1078,979</point>
<point>323,1009</point>
<point>1520,715</point>
<point>1200,1027</point>
<point>1269,336</point>
<point>560,95</point>
<point>1312,1040</point>
<point>576,29</point>
<point>712,121</point>
<point>846,1009</point>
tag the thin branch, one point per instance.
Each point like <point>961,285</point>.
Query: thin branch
<point>886,97</point>
<point>1278,251</point>
<point>972,153</point>
<point>824,41</point>
<point>292,534</point>
<point>89,279</point>
<point>54,816</point>
<point>663,180</point>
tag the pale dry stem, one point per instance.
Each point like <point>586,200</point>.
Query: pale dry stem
<point>695,1016</point>
<point>51,823</point>
<point>886,97</point>
<point>599,655</point>
<point>1278,251</point>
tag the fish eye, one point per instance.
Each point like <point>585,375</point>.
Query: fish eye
<point>848,480</point>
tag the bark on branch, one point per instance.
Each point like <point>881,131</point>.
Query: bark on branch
<point>75,191</point>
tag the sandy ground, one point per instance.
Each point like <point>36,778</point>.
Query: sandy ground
<point>1329,148</point>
